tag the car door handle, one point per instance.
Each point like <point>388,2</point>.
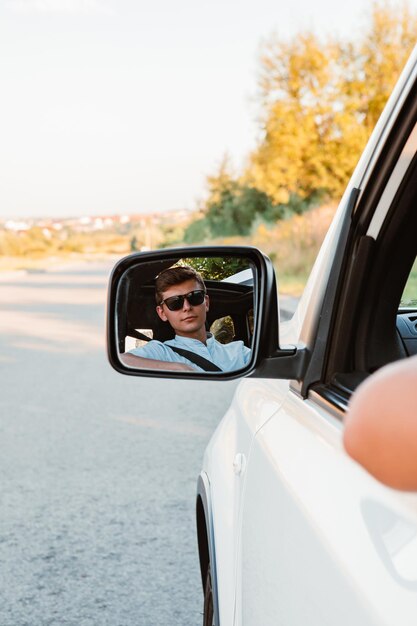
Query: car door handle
<point>239,464</point>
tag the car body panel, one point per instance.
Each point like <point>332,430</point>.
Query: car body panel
<point>234,436</point>
<point>304,517</point>
<point>315,522</point>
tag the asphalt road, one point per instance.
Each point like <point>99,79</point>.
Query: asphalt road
<point>98,470</point>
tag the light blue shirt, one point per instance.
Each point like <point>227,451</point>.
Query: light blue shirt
<point>228,356</point>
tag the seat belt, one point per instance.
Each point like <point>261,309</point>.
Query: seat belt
<point>205,364</point>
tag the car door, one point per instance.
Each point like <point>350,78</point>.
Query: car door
<point>321,541</point>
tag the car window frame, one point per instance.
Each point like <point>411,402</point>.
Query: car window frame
<point>391,171</point>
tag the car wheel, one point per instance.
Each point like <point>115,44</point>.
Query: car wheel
<point>208,616</point>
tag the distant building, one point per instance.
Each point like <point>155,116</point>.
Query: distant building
<point>17,227</point>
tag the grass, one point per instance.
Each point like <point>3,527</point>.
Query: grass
<point>409,297</point>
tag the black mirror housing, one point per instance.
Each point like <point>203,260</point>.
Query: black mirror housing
<point>131,307</point>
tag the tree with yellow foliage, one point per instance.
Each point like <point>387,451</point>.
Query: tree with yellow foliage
<point>320,101</point>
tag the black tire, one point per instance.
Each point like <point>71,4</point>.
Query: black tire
<point>208,616</point>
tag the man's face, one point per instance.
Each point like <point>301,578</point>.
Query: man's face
<point>188,321</point>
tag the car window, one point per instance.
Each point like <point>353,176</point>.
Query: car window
<point>409,296</point>
<point>223,329</point>
<point>138,342</point>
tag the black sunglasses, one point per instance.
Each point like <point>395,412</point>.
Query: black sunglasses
<point>175,303</point>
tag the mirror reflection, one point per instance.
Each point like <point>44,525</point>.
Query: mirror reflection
<point>187,314</point>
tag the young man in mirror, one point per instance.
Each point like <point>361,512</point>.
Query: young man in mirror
<point>182,302</point>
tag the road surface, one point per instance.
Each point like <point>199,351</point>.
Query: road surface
<point>98,470</point>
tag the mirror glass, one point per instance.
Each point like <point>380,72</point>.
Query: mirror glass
<point>189,314</point>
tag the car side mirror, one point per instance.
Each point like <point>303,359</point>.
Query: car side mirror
<point>239,300</point>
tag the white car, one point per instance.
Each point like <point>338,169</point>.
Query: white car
<point>291,530</point>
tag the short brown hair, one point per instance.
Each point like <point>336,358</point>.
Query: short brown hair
<point>174,276</point>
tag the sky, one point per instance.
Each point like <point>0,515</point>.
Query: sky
<point>125,106</point>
